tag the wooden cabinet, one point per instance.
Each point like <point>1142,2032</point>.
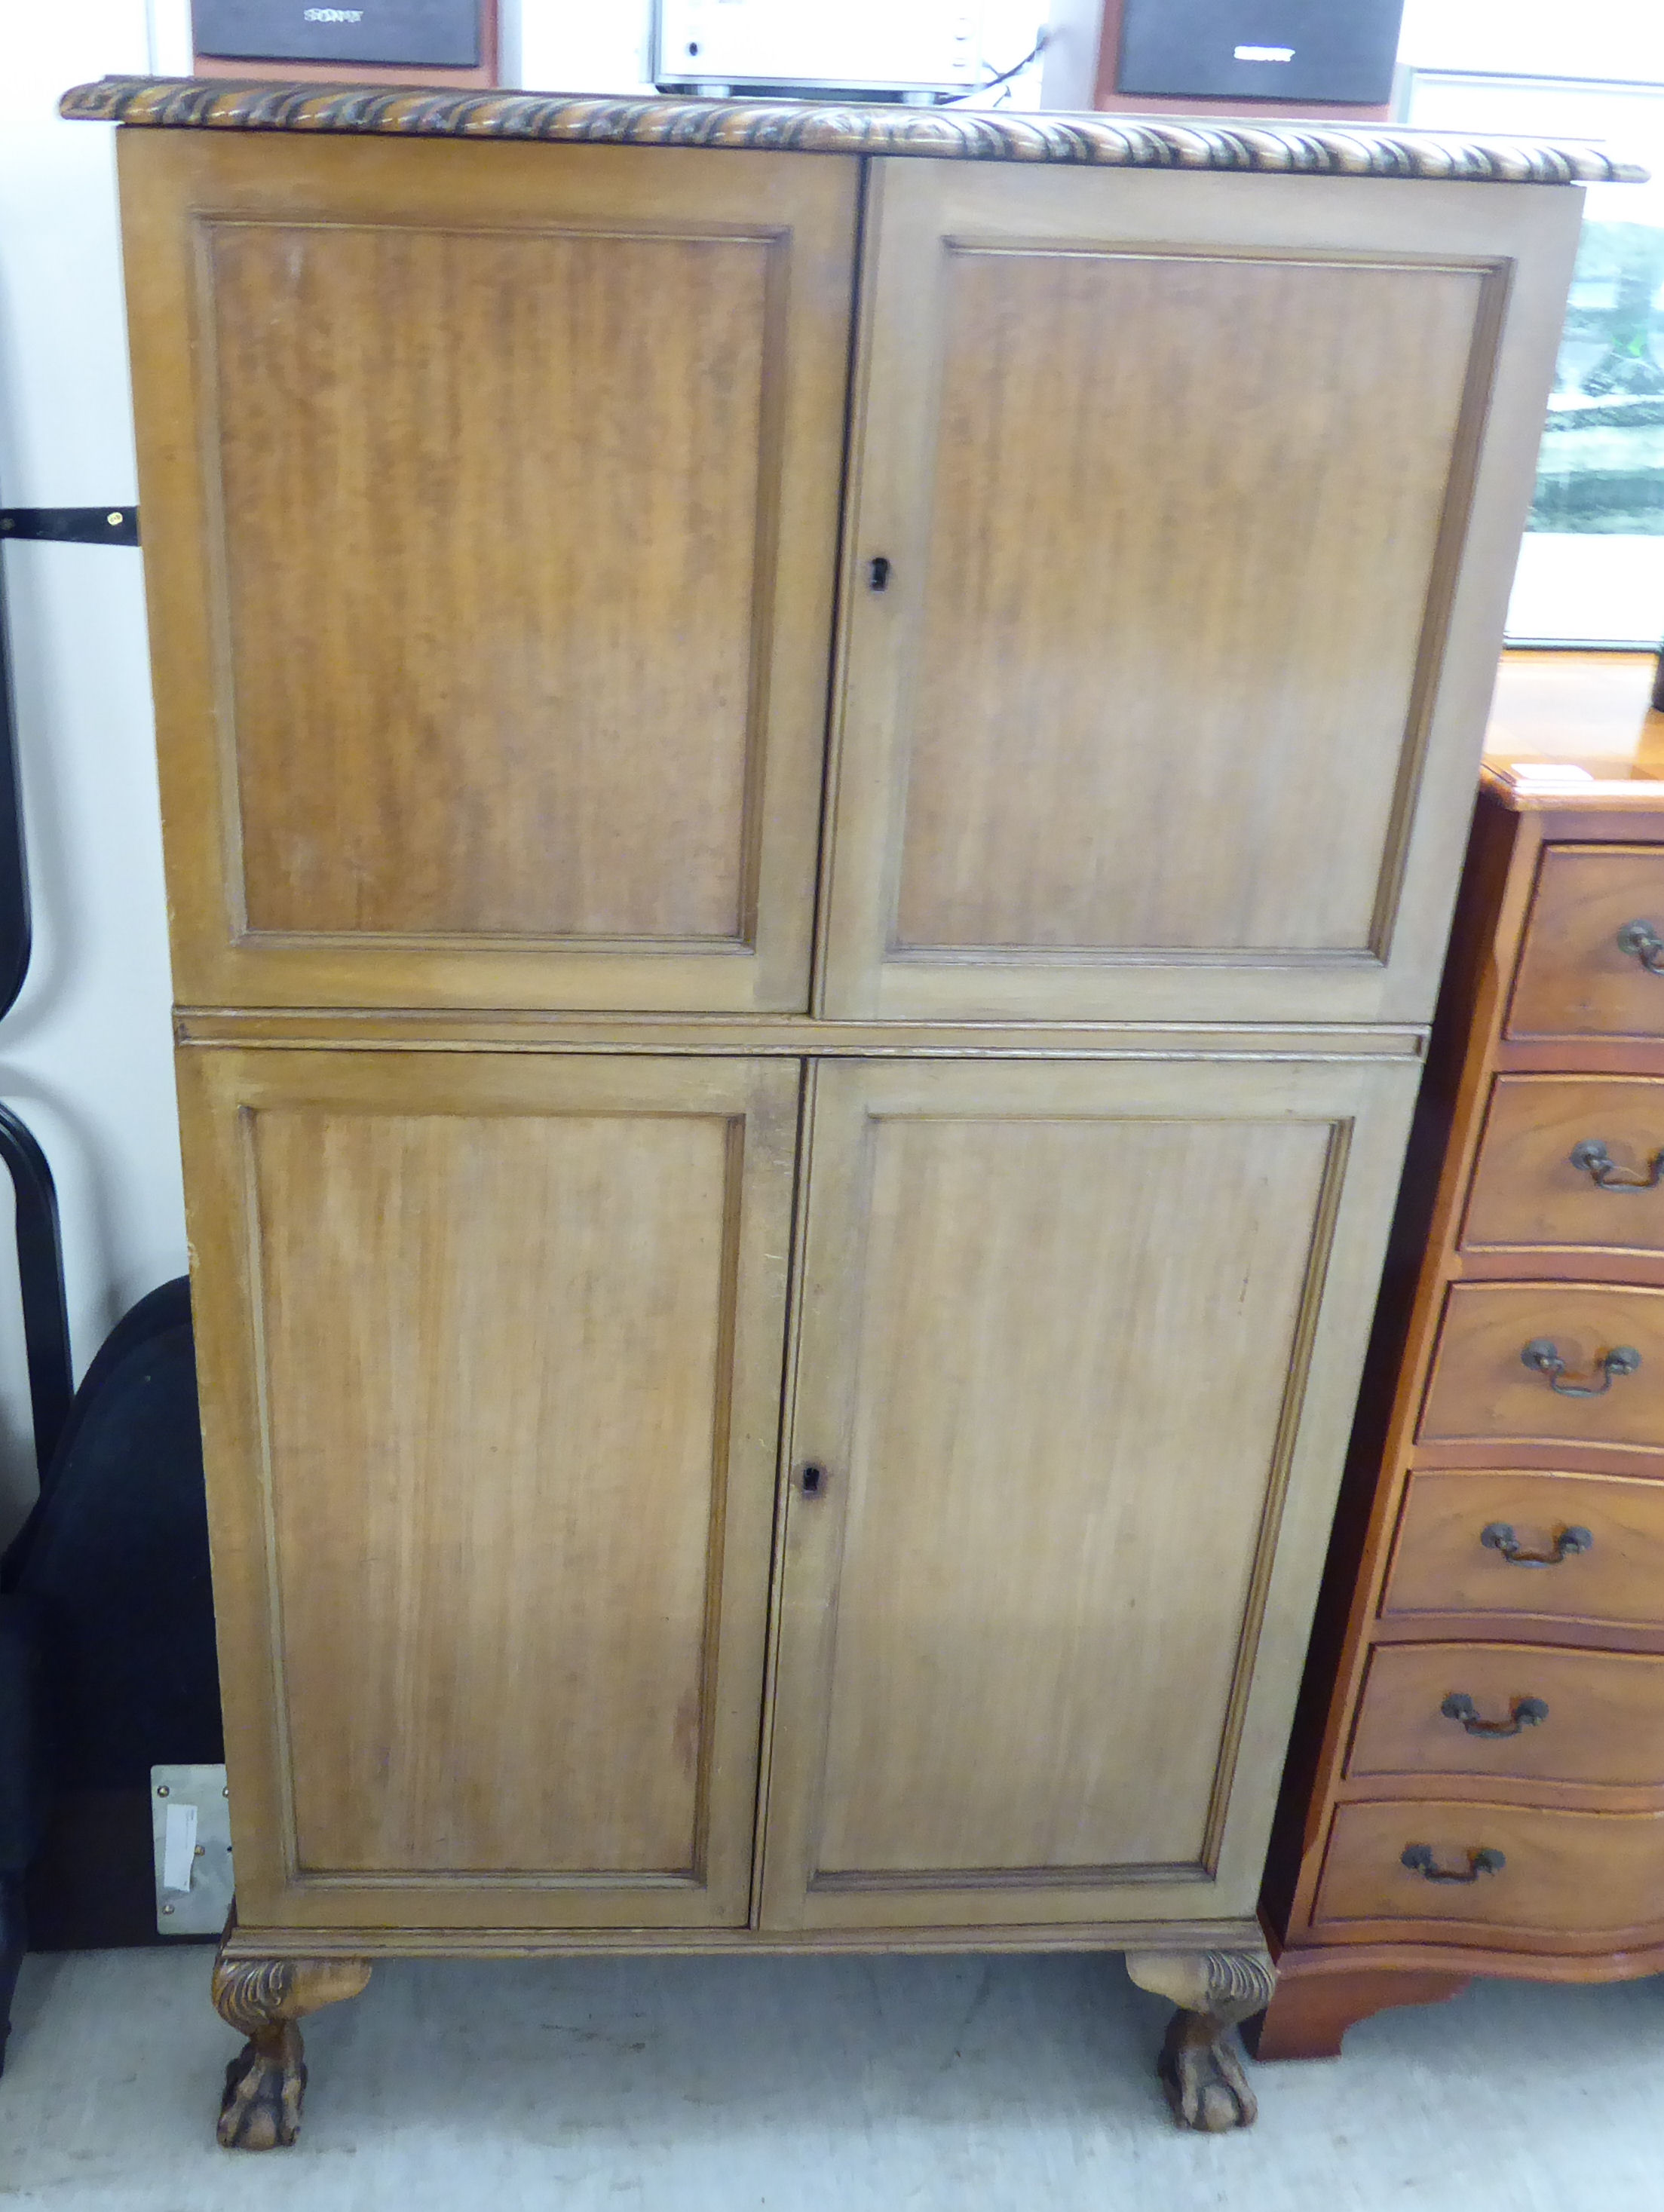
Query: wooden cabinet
<point>1068,1451</point>
<point>491,1388</point>
<point>1477,1784</point>
<point>812,797</point>
<point>493,507</point>
<point>1044,360</point>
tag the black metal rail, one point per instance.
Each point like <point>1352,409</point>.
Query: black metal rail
<point>40,1242</point>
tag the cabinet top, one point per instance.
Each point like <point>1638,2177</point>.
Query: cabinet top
<point>939,133</point>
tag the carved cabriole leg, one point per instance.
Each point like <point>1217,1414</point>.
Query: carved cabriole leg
<point>1214,1990</point>
<point>265,1998</point>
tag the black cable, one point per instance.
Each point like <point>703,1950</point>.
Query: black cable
<point>1004,76</point>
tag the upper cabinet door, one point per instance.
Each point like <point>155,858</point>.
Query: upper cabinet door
<point>1184,512</point>
<point>490,499</point>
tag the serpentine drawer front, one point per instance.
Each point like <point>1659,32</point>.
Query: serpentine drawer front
<point>1554,1360</point>
<point>1494,1866</point>
<point>1594,959</point>
<point>1511,1711</point>
<point>1554,1547</point>
<point>1571,1160</point>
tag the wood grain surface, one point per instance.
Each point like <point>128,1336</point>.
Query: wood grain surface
<point>452,715</point>
<point>490,501</point>
<point>1233,608</point>
<point>1059,1428</point>
<point>1573,980</point>
<point>1194,578</point>
<point>515,1353</point>
<point>1528,1190</point>
<point>1580,1873</point>
<point>1480,1386</point>
<point>1605,1721</point>
<point>1439,1563</point>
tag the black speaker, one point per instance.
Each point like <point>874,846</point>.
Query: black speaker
<point>1321,51</point>
<point>426,34</point>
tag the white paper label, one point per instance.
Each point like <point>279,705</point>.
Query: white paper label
<point>1548,775</point>
<point>1263,54</point>
<point>179,1847</point>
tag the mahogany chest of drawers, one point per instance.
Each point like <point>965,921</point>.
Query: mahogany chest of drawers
<point>1476,1783</point>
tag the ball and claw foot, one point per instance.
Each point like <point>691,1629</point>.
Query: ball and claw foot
<point>1202,2076</point>
<point>264,2086</point>
<point>267,2078</point>
<point>1199,2066</point>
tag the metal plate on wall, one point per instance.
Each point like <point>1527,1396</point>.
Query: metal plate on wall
<point>425,33</point>
<point>190,1839</point>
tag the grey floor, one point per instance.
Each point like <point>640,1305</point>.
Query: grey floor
<point>904,2084</point>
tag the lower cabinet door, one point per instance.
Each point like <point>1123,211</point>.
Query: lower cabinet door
<point>1080,1347</point>
<point>490,1348</point>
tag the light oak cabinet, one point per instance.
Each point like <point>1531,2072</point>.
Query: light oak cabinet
<point>491,1387</point>
<point>1037,1631</point>
<point>494,523</point>
<point>811,801</point>
<point>1175,476</point>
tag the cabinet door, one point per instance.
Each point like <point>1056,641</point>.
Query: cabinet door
<point>490,498</point>
<point>1200,498</point>
<point>490,1351</point>
<point>1079,1349</point>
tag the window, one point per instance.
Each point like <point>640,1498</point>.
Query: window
<point>1592,567</point>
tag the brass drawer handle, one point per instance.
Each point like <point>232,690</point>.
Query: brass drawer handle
<point>1526,1712</point>
<point>1596,1161</point>
<point>1543,1354</point>
<point>1500,1537</point>
<point>1419,1857</point>
<point>1640,938</point>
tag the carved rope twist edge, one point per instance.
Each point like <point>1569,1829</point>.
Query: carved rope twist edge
<point>939,133</point>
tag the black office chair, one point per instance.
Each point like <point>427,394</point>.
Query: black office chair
<point>106,1629</point>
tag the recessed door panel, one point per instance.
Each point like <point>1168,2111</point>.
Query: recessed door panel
<point>1067,1370</point>
<point>492,602</point>
<point>1183,514</point>
<point>492,1469</point>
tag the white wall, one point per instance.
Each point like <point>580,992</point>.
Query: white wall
<point>84,1057</point>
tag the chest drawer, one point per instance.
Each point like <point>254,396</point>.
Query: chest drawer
<point>1571,1160</point>
<point>1576,978</point>
<point>1518,1711</point>
<point>1561,1547</point>
<point>1494,1866</point>
<point>1574,1361</point>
